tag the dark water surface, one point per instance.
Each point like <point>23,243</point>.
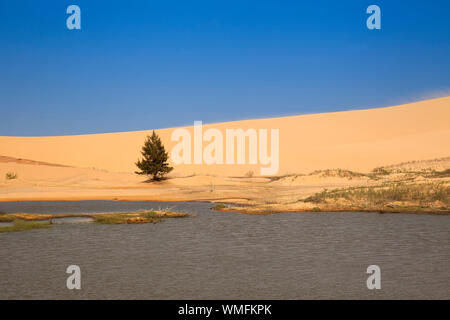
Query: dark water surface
<point>226,255</point>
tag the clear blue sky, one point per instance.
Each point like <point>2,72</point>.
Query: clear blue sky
<point>138,65</point>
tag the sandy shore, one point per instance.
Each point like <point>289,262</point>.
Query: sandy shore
<point>259,195</point>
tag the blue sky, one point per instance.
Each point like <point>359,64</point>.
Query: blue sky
<point>139,65</point>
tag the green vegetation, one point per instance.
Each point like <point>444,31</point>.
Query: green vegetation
<point>34,216</point>
<point>421,194</point>
<point>439,174</point>
<point>136,217</point>
<point>154,161</point>
<point>128,218</point>
<point>28,221</point>
<point>21,225</point>
<point>380,171</point>
<point>11,175</point>
<point>219,206</point>
<point>342,173</point>
<point>277,178</point>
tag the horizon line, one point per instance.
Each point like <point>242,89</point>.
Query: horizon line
<point>238,120</point>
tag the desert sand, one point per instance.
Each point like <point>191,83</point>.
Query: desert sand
<point>407,138</point>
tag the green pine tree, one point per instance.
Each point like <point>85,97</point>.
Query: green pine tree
<point>154,158</point>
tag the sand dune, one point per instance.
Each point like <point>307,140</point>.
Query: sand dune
<point>411,142</point>
<point>355,140</point>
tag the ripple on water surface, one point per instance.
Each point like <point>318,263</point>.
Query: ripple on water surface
<point>216,255</point>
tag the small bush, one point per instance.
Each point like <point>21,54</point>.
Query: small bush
<point>11,175</point>
<point>249,174</point>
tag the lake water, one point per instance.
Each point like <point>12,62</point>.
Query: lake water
<point>226,255</point>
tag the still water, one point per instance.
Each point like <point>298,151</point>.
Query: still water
<point>226,255</point>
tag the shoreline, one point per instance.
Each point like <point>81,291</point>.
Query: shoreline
<point>418,187</point>
<point>233,207</point>
<point>257,211</point>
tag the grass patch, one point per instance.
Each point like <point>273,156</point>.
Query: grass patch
<point>276,178</point>
<point>21,225</point>
<point>128,217</point>
<point>219,206</point>
<point>439,174</point>
<point>10,217</point>
<point>11,175</point>
<point>136,217</point>
<point>422,194</point>
<point>381,171</point>
<point>341,173</point>
<point>102,218</point>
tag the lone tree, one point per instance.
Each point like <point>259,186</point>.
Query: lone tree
<point>154,161</point>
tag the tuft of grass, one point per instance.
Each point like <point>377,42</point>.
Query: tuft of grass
<point>249,174</point>
<point>21,225</point>
<point>11,175</point>
<point>219,206</point>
